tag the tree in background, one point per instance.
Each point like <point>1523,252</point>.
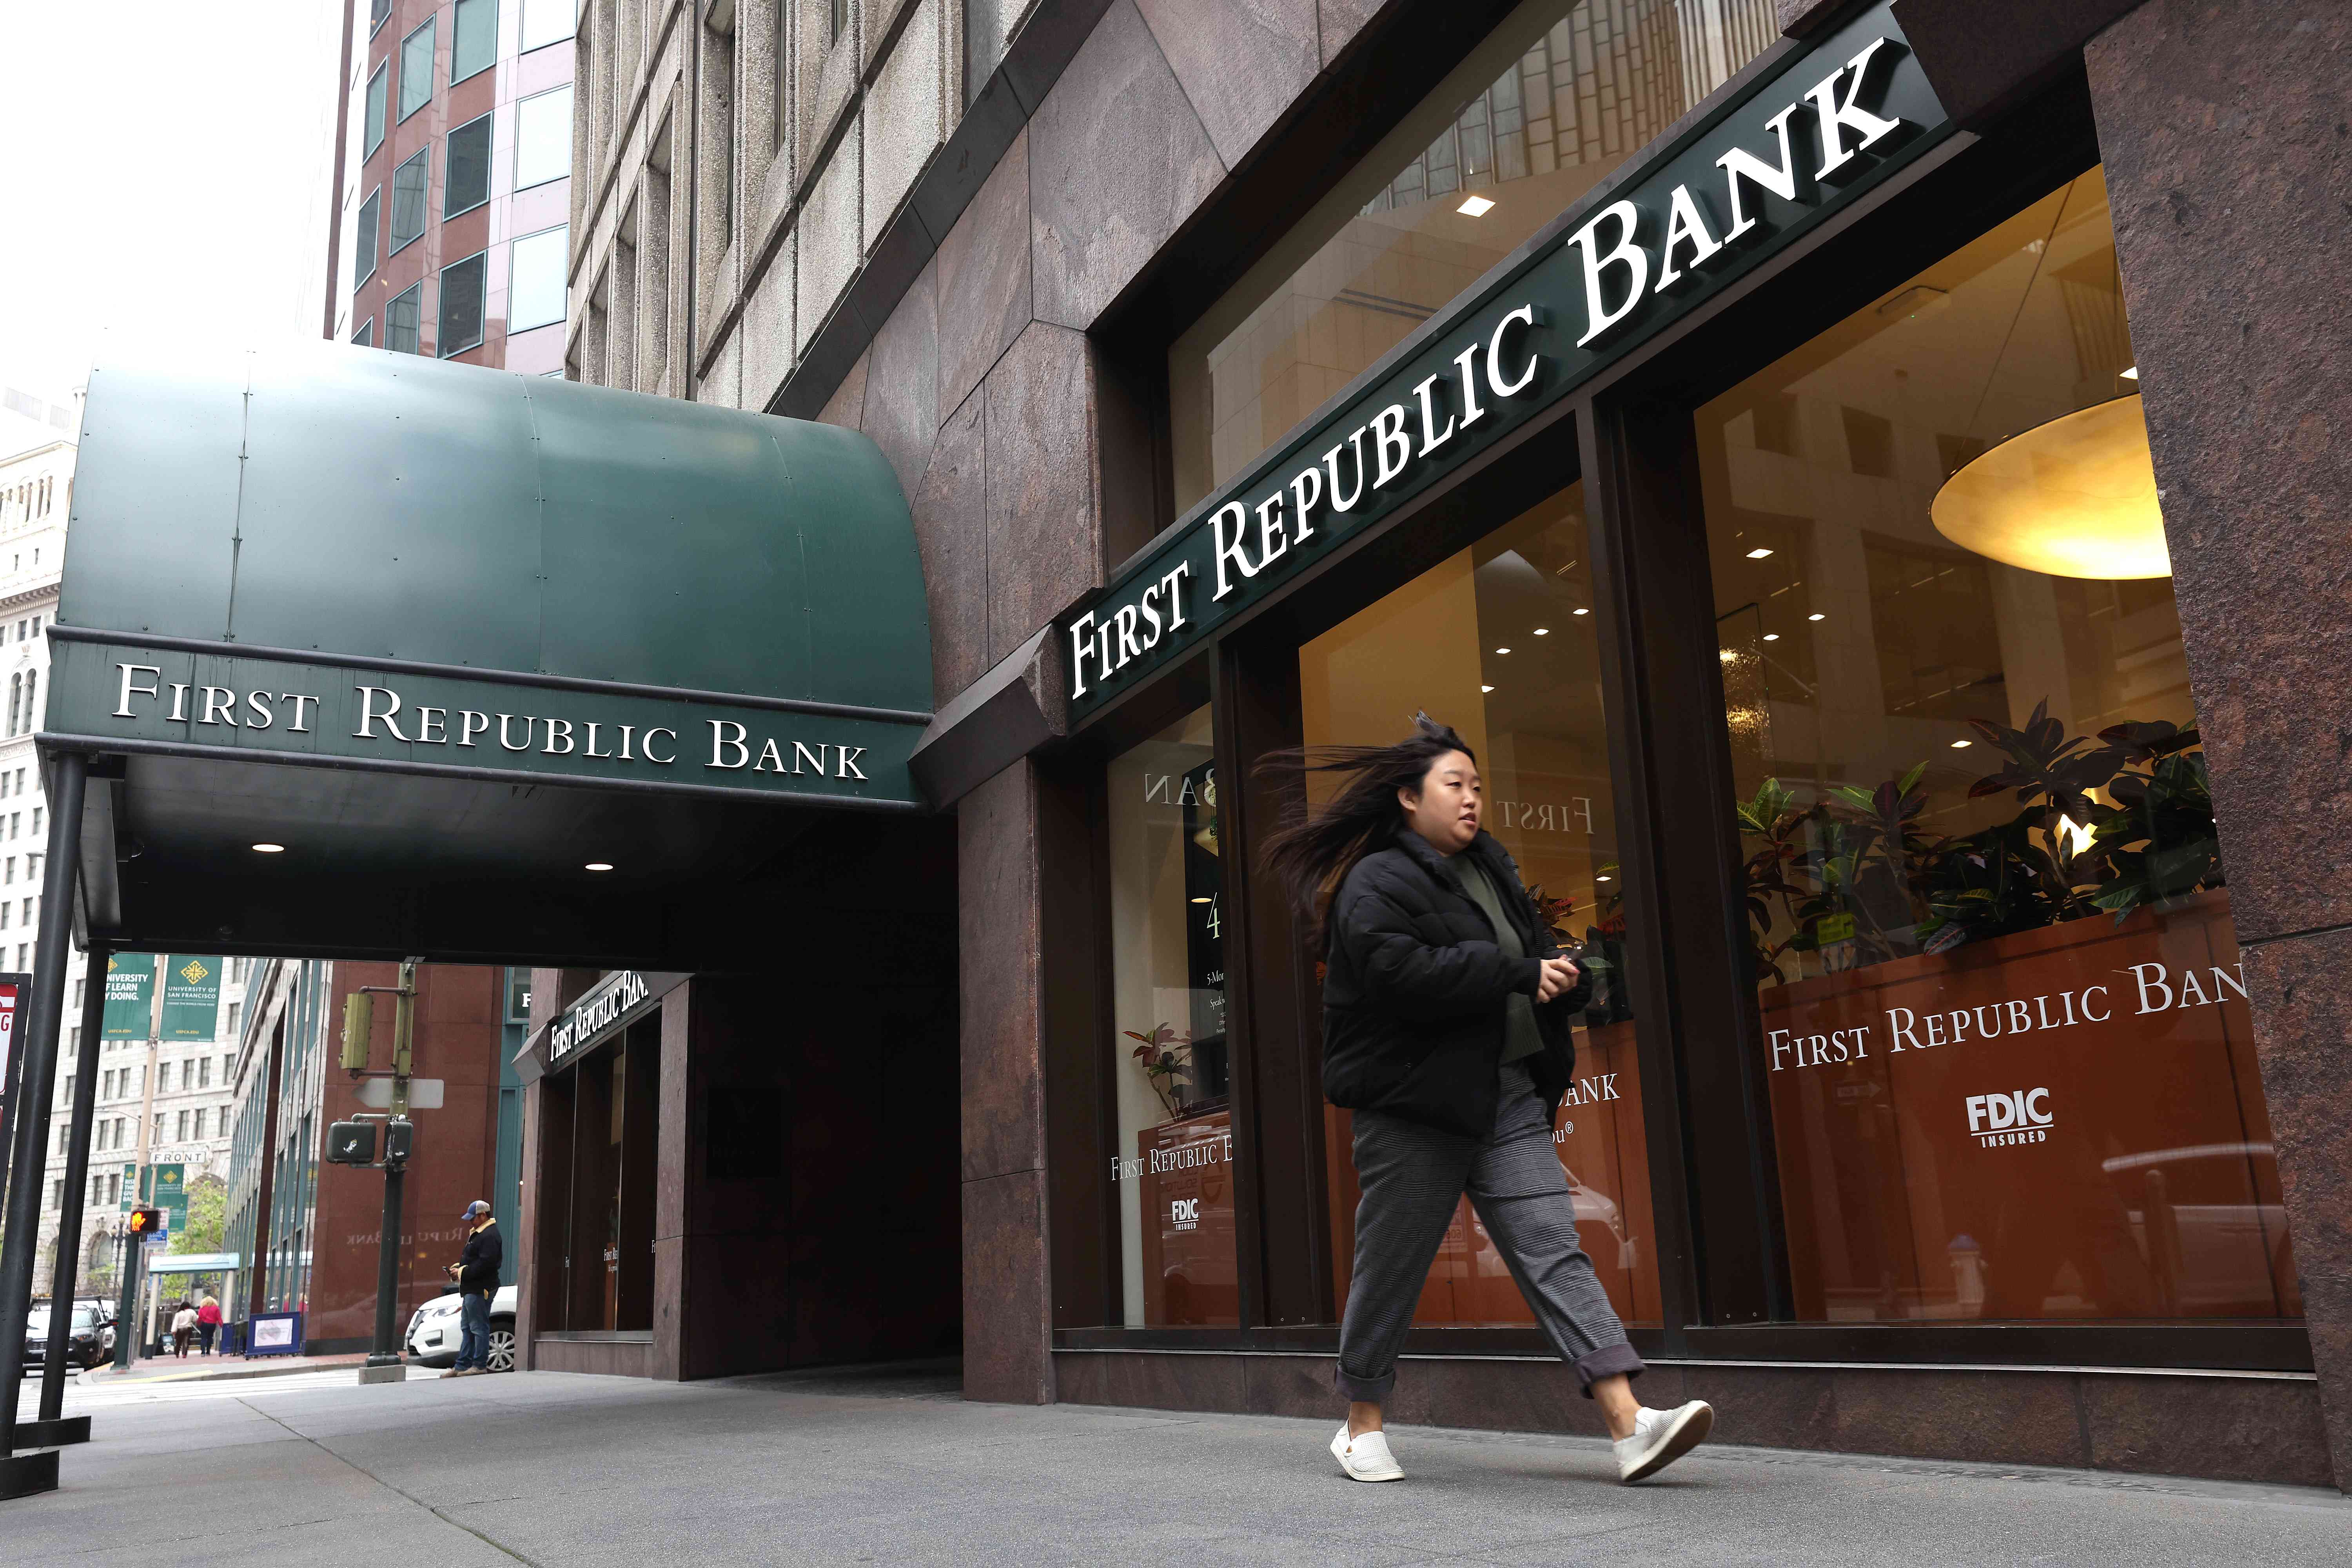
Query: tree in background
<point>208,1216</point>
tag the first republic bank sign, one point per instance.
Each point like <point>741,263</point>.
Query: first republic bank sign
<point>1765,168</point>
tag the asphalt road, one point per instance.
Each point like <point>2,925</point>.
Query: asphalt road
<point>891,1467</point>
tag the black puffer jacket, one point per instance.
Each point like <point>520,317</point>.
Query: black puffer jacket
<point>1413,997</point>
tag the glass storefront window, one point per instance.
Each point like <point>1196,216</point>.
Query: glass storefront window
<point>1545,108</point>
<point>1172,1160</point>
<point>1498,641</point>
<point>2003,1024</point>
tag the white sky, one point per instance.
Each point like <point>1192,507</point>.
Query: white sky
<point>164,171</point>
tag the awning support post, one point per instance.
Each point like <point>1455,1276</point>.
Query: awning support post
<point>65,1275</point>
<point>21,1476</point>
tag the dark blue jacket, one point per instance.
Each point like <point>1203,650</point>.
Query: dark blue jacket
<point>477,1265</point>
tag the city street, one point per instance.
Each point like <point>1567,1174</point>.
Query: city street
<point>889,1466</point>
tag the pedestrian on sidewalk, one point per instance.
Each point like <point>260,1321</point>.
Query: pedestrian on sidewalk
<point>208,1321</point>
<point>183,1328</point>
<point>476,1276</point>
<point>1447,1010</point>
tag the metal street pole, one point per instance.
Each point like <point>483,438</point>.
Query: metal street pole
<point>63,1273</point>
<point>9,1096</point>
<point>39,1044</point>
<point>387,1354</point>
<point>125,1257</point>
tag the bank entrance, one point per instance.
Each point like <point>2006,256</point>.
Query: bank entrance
<point>369,657</point>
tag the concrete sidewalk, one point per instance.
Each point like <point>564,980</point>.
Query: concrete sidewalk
<point>892,1467</point>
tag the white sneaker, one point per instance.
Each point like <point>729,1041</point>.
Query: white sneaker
<point>1660,1438</point>
<point>1366,1458</point>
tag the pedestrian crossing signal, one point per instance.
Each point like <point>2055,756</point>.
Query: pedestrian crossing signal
<point>350,1143</point>
<point>145,1221</point>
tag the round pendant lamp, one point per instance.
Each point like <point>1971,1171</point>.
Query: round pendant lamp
<point>2073,497</point>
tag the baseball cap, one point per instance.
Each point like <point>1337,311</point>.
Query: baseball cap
<point>476,1207</point>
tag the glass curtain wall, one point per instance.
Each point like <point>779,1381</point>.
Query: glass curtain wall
<point>1172,1158</point>
<point>1545,108</point>
<point>2003,1022</point>
<point>1499,641</point>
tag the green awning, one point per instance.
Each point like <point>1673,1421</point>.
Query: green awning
<point>438,627</point>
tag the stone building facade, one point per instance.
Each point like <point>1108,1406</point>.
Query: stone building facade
<point>981,235</point>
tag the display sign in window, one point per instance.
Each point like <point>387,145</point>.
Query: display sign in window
<point>2000,1013</point>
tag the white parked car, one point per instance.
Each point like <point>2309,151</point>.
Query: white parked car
<point>432,1338</point>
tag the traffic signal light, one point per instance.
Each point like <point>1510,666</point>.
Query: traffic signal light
<point>144,1221</point>
<point>350,1143</point>
<point>398,1136</point>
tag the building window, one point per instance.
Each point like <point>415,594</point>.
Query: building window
<point>379,89</point>
<point>15,701</point>
<point>365,337</point>
<point>461,305</point>
<point>401,317</point>
<point>363,239</point>
<point>205,1067</point>
<point>232,1034</point>
<point>410,184</point>
<point>535,271</point>
<point>543,138</point>
<point>1471,174</point>
<point>2003,1023</point>
<point>466,177</point>
<point>200,1124</point>
<point>473,39</point>
<point>416,71</point>
<point>547,22</point>
<point>1171,1170</point>
<point>836,20</point>
<point>180,1129</point>
<point>379,13</point>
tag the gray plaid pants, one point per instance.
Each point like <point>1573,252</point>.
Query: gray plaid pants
<point>1412,1176</point>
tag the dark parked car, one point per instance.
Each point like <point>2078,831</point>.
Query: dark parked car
<point>86,1348</point>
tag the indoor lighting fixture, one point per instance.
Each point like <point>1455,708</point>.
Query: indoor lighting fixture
<point>600,865</point>
<point>269,849</point>
<point>1502,650</point>
<point>2129,373</point>
<point>1485,688</point>
<point>1817,615</point>
<point>1605,879</point>
<point>1962,745</point>
<point>1200,900</point>
<point>2073,497</point>
<point>1758,553</point>
<point>2076,839</point>
<point>1583,612</point>
<point>1771,637</point>
<point>1474,207</point>
<point>1543,631</point>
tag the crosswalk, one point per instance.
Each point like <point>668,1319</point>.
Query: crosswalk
<point>81,1398</point>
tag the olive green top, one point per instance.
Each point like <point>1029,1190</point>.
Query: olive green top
<point>1520,1036</point>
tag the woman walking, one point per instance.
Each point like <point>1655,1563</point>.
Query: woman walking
<point>208,1321</point>
<point>1447,1016</point>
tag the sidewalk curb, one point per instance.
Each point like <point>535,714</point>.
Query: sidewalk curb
<point>94,1380</point>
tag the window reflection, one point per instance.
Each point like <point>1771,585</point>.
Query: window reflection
<point>2004,1026</point>
<point>1498,641</point>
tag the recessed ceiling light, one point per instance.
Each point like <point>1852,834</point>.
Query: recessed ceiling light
<point>269,849</point>
<point>1485,688</point>
<point>1583,612</point>
<point>1961,745</point>
<point>1758,553</point>
<point>1474,207</point>
<point>1605,879</point>
<point>1771,637</point>
<point>600,865</point>
<point>1543,631</point>
<point>1502,650</point>
<point>1817,615</point>
<point>1200,900</point>
<point>2130,372</point>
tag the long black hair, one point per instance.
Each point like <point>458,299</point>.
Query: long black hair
<point>1315,853</point>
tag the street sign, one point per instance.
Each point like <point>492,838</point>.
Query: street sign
<point>424,1093</point>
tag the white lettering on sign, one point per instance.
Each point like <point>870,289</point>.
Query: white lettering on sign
<point>384,716</point>
<point>1214,1150</point>
<point>595,1013</point>
<point>2157,989</point>
<point>2017,1116</point>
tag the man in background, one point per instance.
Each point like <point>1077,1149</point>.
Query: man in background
<point>476,1273</point>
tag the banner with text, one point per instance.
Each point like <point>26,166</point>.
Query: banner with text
<point>130,996</point>
<point>191,988</point>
